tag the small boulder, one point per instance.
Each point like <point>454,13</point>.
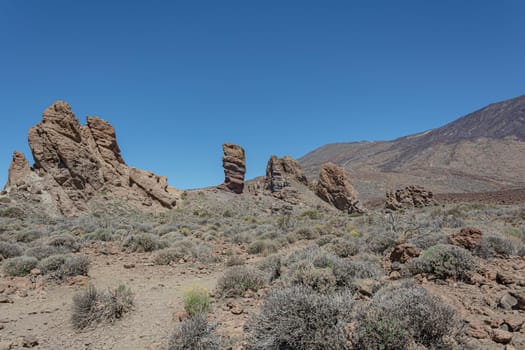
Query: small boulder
<point>501,336</point>
<point>404,252</point>
<point>468,238</point>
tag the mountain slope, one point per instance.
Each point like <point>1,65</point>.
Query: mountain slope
<point>482,151</point>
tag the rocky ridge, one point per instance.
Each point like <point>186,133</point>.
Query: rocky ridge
<point>74,163</point>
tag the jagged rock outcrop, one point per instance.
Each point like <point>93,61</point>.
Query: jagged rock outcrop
<point>468,238</point>
<point>234,164</point>
<point>74,163</point>
<point>18,170</point>
<point>334,187</point>
<point>281,172</point>
<point>409,197</point>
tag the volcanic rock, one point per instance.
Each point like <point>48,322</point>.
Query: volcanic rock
<point>74,163</point>
<point>281,172</point>
<point>468,238</point>
<point>404,252</point>
<point>234,164</point>
<point>19,169</point>
<point>409,197</point>
<point>335,188</point>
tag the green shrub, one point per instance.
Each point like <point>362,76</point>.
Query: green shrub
<point>312,214</point>
<point>142,242</point>
<point>196,300</point>
<point>65,241</point>
<point>307,233</point>
<point>271,265</point>
<point>187,249</point>
<point>401,314</point>
<point>264,247</point>
<point>343,248</point>
<point>299,318</point>
<point>52,263</point>
<point>306,274</point>
<point>346,271</point>
<point>10,250</point>
<point>27,236</point>
<point>43,251</point>
<point>238,279</point>
<point>91,306</point>
<point>235,260</point>
<point>444,261</point>
<point>195,333</point>
<point>20,265</point>
<point>493,245</point>
<point>75,265</point>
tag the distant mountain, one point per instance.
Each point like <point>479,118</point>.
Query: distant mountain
<point>482,151</point>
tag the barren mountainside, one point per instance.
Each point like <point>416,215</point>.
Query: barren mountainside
<point>482,151</point>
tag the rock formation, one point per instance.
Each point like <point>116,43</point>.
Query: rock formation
<point>409,197</point>
<point>281,172</point>
<point>74,163</point>
<point>334,187</point>
<point>234,164</point>
<point>18,170</point>
<point>468,238</point>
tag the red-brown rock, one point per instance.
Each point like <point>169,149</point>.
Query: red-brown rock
<point>335,188</point>
<point>283,172</point>
<point>234,164</point>
<point>409,197</point>
<point>468,238</point>
<point>75,163</point>
<point>404,252</point>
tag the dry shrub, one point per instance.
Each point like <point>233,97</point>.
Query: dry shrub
<point>195,333</point>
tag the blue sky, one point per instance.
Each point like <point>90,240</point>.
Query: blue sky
<point>179,78</point>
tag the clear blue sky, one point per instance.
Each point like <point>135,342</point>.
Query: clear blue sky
<point>179,78</point>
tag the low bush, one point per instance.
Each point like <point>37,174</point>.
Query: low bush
<point>75,265</point>
<point>342,247</point>
<point>264,247</point>
<point>307,233</point>
<point>195,333</point>
<point>184,249</point>
<point>10,250</point>
<point>196,300</point>
<point>271,265</point>
<point>238,279</point>
<point>65,241</point>
<point>444,261</point>
<point>401,314</point>
<point>306,274</point>
<point>52,263</point>
<point>347,271</point>
<point>92,306</point>
<point>142,242</point>
<point>43,251</point>
<point>20,265</point>
<point>493,245</point>
<point>299,318</point>
<point>235,260</point>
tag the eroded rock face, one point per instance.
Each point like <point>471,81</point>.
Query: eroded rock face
<point>334,187</point>
<point>18,170</point>
<point>281,172</point>
<point>409,197</point>
<point>234,164</point>
<point>74,163</point>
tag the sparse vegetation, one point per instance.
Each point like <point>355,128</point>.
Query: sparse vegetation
<point>445,261</point>
<point>195,333</point>
<point>142,242</point>
<point>196,300</point>
<point>19,265</point>
<point>238,279</point>
<point>91,306</point>
<point>299,318</point>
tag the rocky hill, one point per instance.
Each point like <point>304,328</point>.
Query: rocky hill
<point>482,151</point>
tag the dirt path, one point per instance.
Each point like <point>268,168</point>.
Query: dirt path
<point>158,293</point>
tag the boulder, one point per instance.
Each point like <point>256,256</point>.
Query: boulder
<point>74,163</point>
<point>234,164</point>
<point>404,252</point>
<point>468,238</point>
<point>335,188</point>
<point>282,172</point>
<point>409,197</point>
